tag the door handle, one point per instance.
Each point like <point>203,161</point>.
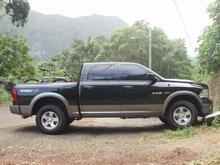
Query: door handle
<point>128,86</point>
<point>88,86</point>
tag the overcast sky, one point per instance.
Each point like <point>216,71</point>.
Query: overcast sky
<point>161,13</point>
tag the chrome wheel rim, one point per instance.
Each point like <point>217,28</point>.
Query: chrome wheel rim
<point>182,116</point>
<point>49,120</point>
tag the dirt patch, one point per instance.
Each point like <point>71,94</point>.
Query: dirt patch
<point>179,156</point>
<point>99,157</point>
<point>104,141</point>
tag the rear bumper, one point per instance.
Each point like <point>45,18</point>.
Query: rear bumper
<point>24,111</point>
<point>15,109</point>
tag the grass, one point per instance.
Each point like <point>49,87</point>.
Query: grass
<point>186,132</point>
<point>141,138</point>
<point>160,141</point>
<point>5,97</point>
<point>196,162</point>
<point>216,161</point>
<point>155,158</point>
<point>95,143</point>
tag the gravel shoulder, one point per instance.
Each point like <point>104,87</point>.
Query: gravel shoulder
<point>103,141</point>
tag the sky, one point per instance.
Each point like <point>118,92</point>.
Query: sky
<point>160,13</point>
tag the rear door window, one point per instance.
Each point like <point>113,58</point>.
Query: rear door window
<point>102,72</point>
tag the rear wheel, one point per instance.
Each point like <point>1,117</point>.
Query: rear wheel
<point>182,114</point>
<point>51,119</point>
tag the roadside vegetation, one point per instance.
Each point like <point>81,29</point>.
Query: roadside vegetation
<point>5,97</point>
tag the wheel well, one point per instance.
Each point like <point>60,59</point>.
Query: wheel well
<point>189,98</point>
<point>48,100</point>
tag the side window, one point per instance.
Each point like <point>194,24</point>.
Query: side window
<point>102,72</point>
<point>132,72</point>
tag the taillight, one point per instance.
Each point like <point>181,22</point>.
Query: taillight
<point>14,95</point>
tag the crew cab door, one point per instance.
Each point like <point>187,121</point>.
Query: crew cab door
<point>100,90</point>
<point>140,94</point>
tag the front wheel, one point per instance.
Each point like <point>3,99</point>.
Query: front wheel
<point>163,120</point>
<point>51,119</point>
<point>69,121</point>
<point>182,114</point>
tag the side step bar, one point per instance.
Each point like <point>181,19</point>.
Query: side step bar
<point>212,115</point>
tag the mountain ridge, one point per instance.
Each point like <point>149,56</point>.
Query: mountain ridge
<point>49,34</point>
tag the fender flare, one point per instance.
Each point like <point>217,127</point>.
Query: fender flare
<point>179,93</point>
<point>52,95</point>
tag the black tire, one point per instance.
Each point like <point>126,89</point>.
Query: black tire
<point>69,121</point>
<point>163,120</point>
<point>58,112</point>
<point>188,106</point>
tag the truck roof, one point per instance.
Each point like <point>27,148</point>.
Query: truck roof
<point>89,63</point>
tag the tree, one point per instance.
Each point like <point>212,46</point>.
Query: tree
<point>129,44</point>
<point>209,43</point>
<point>169,57</point>
<point>79,52</point>
<point>15,60</point>
<point>17,10</point>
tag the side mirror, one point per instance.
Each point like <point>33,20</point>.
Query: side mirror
<point>151,77</point>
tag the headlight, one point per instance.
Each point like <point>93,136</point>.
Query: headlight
<point>204,93</point>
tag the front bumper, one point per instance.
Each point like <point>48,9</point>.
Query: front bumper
<point>207,106</point>
<point>24,111</point>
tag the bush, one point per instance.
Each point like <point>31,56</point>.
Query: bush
<point>5,97</point>
<point>216,122</point>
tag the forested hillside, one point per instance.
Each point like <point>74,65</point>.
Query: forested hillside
<point>48,34</point>
<point>169,57</point>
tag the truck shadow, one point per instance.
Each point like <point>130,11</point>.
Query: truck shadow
<point>112,130</point>
<point>99,130</point>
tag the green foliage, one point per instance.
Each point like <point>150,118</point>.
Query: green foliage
<point>17,10</point>
<point>216,122</point>
<point>209,48</point>
<point>15,60</point>
<point>199,76</point>
<point>129,44</point>
<point>5,97</point>
<point>185,133</point>
<point>79,52</point>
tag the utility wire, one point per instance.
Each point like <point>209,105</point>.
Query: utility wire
<point>183,24</point>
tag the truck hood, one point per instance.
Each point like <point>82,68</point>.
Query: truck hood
<point>187,81</point>
<point>179,80</point>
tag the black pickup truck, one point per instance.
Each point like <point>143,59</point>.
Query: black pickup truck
<point>112,89</point>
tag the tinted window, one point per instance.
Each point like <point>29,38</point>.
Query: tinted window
<point>102,72</point>
<point>132,72</point>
